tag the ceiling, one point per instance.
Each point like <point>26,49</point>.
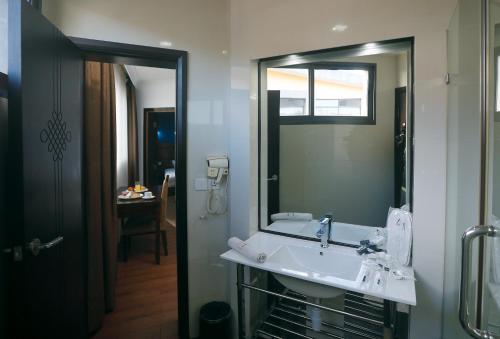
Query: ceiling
<point>140,74</point>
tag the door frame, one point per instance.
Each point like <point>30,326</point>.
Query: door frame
<point>119,53</point>
<point>145,136</point>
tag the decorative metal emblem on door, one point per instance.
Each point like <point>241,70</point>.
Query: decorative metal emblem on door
<point>56,136</point>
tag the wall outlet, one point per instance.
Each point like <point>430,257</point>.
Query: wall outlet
<point>200,184</point>
<point>212,184</point>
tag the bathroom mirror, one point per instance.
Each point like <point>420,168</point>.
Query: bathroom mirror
<point>335,132</point>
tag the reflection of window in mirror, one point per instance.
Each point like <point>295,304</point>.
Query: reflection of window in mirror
<point>497,79</point>
<point>496,128</point>
<point>341,92</point>
<point>327,92</point>
<point>293,84</point>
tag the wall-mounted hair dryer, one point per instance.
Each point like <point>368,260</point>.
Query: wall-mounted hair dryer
<point>218,166</point>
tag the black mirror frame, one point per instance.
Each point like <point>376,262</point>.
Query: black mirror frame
<point>411,91</point>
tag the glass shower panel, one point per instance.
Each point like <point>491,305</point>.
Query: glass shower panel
<point>464,165</point>
<point>491,288</point>
<point>463,161</point>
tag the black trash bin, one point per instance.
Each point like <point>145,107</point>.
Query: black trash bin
<point>215,320</point>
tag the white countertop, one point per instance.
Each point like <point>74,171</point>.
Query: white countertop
<point>401,291</point>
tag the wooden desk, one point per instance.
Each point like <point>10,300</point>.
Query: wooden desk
<point>142,208</point>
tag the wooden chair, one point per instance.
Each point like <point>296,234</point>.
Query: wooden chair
<point>147,225</point>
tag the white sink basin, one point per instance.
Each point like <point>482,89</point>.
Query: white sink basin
<point>307,262</point>
<point>300,266</point>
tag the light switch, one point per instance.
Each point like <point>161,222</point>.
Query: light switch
<point>200,184</point>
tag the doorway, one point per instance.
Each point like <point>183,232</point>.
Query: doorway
<point>159,145</point>
<point>176,262</point>
<point>132,270</point>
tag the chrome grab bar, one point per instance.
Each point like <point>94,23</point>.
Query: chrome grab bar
<point>469,235</point>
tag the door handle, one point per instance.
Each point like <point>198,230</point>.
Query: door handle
<point>399,139</point>
<point>35,246</point>
<point>469,235</point>
<point>273,178</point>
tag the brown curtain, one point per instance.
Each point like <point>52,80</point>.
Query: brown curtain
<point>133,163</point>
<point>100,153</point>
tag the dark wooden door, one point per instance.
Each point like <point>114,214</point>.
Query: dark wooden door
<point>159,145</point>
<point>400,147</point>
<point>273,152</point>
<point>3,194</point>
<point>44,179</point>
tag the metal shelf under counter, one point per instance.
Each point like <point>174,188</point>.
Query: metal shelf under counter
<point>286,315</point>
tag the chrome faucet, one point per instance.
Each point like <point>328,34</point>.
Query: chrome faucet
<point>325,229</point>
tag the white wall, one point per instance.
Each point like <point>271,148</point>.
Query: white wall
<point>347,169</point>
<point>4,41</point>
<point>201,28</point>
<point>152,94</point>
<point>402,70</point>
<point>121,127</point>
<point>262,28</point>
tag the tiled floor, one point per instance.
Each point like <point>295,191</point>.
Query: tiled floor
<point>146,294</point>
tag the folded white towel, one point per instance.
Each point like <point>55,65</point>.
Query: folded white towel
<point>246,250</point>
<point>292,216</point>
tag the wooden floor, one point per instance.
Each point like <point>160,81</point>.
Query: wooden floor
<point>146,294</point>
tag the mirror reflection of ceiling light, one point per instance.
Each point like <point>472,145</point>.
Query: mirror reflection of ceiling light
<point>373,48</point>
<point>165,44</point>
<point>339,28</point>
